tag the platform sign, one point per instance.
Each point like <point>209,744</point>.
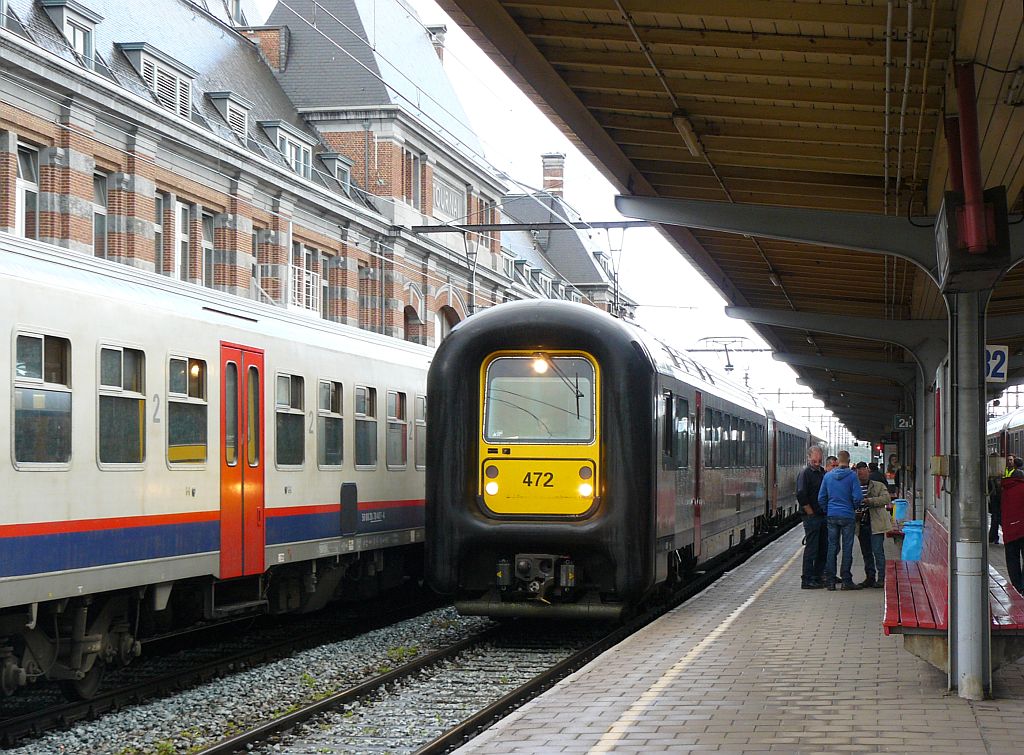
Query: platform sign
<point>903,422</point>
<point>997,361</point>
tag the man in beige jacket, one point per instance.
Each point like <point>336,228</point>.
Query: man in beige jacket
<point>874,523</point>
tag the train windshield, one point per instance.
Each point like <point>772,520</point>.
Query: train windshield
<point>539,399</point>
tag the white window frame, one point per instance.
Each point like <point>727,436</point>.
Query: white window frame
<point>509,264</point>
<point>77,32</point>
<point>289,408</point>
<point>357,416</point>
<point>21,187</point>
<point>328,413</point>
<point>298,155</point>
<point>29,382</point>
<point>184,398</point>
<point>420,418</point>
<point>102,210</point>
<point>400,419</point>
<point>181,235</point>
<point>120,392</point>
<point>206,260</point>
<point>160,202</point>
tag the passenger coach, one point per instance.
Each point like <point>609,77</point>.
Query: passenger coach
<point>178,456</point>
<point>574,463</point>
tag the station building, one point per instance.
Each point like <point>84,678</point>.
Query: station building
<point>284,161</point>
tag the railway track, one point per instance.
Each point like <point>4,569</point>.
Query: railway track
<point>175,663</point>
<point>438,701</point>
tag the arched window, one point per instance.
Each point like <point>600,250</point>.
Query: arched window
<point>445,319</point>
<point>412,325</point>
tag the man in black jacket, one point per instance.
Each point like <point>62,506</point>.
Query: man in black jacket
<point>808,483</point>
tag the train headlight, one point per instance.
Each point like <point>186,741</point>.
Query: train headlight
<point>491,488</point>
<point>540,364</point>
<point>586,489</point>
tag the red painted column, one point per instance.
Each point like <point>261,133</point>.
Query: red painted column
<point>975,232</point>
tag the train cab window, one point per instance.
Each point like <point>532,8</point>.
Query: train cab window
<point>540,399</point>
<point>397,445</point>
<point>42,400</point>
<point>122,414</point>
<point>330,425</point>
<point>366,427</point>
<point>186,411</point>
<point>289,412</point>
<point>421,432</point>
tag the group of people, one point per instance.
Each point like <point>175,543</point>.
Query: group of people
<point>1006,507</point>
<point>838,502</point>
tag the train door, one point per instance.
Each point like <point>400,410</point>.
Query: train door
<point>698,446</point>
<point>773,464</point>
<point>242,453</point>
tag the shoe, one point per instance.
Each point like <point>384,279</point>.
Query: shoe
<point>811,586</point>
<point>850,586</point>
<point>831,586</point>
<point>879,585</point>
<point>867,583</point>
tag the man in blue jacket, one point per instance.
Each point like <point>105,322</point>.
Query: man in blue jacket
<point>839,495</point>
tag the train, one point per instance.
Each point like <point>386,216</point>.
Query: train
<point>576,464</point>
<point>1005,435</point>
<point>178,456</point>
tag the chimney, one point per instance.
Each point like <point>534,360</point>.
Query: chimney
<point>437,33</point>
<point>272,42</point>
<point>554,171</point>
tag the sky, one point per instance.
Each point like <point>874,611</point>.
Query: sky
<point>676,303</point>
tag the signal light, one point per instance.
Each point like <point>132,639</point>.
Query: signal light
<point>540,363</point>
<point>491,488</point>
<point>586,489</point>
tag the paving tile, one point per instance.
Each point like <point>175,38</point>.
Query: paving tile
<point>797,671</point>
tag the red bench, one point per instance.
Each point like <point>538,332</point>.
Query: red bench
<point>917,602</point>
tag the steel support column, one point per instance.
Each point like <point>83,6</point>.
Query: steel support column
<point>969,646</point>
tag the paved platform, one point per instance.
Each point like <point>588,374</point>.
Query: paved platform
<point>756,664</point>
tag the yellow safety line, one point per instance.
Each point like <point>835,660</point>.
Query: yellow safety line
<point>636,711</point>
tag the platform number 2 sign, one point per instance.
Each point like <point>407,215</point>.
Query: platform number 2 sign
<point>996,363</point>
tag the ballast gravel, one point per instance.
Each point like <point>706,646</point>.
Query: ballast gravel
<point>199,717</point>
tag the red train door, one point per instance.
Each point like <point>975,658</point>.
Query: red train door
<point>241,467</point>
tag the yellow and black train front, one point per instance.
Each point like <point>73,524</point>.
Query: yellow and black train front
<point>540,463</point>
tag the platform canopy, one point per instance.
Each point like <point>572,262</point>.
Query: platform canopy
<point>826,105</point>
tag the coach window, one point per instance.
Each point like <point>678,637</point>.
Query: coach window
<point>709,435</point>
<point>366,427</point>
<point>186,411</point>
<point>721,457</point>
<point>397,447</point>
<point>290,410</point>
<point>122,415</point>
<point>330,425</point>
<point>42,400</point>
<point>668,436</point>
<point>682,433</point>
<point>421,432</point>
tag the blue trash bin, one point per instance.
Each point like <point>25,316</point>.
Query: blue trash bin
<point>913,535</point>
<point>901,507</point>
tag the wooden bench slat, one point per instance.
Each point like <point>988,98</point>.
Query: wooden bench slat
<point>891,618</point>
<point>1006,602</point>
<point>926,618</point>
<point>908,607</point>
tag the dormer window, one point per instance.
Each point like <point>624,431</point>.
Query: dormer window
<point>169,80</point>
<point>76,22</point>
<point>293,144</point>
<point>509,265</point>
<point>234,110</point>
<point>340,167</point>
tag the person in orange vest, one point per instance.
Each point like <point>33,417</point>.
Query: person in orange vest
<point>1012,516</point>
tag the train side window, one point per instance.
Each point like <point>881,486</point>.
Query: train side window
<point>668,436</point>
<point>421,432</point>
<point>42,401</point>
<point>330,425</point>
<point>720,453</point>
<point>186,411</point>
<point>397,445</point>
<point>290,406</point>
<point>682,433</point>
<point>122,412</point>
<point>253,419</point>
<point>709,432</point>
<point>366,427</point>
<point>230,399</point>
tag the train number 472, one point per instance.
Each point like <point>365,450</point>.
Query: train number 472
<point>539,480</point>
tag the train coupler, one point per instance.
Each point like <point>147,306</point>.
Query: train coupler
<point>537,575</point>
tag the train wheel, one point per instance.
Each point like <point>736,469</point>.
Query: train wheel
<point>86,687</point>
